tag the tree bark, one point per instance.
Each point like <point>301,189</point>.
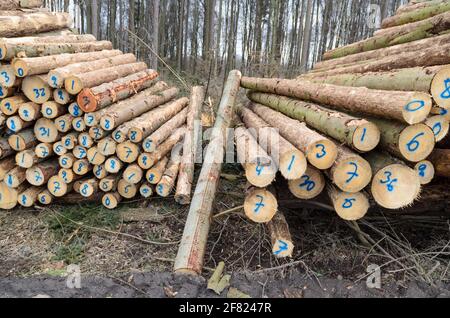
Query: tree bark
<point>280,236</point>
<point>441,161</point>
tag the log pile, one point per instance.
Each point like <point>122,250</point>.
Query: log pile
<point>80,121</point>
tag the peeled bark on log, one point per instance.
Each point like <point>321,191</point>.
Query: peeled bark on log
<point>29,197</point>
<point>169,178</point>
<point>408,107</point>
<point>290,161</point>
<point>18,142</point>
<point>40,65</point>
<point>31,23</point>
<point>8,198</point>
<point>20,4</point>
<point>44,150</point>
<point>357,133</point>
<point>425,170</point>
<point>260,170</point>
<point>27,158</point>
<point>309,186</point>
<point>9,106</point>
<point>57,77</point>
<point>187,167</point>
<point>127,190</point>
<point>155,174</point>
<point>404,34</point>
<point>190,255</point>
<point>394,185</point>
<point>111,200</point>
<point>15,177</point>
<point>93,118</point>
<point>148,160</point>
<point>260,205</point>
<point>99,97</point>
<point>439,125</point>
<point>30,111</point>
<point>349,206</point>
<point>441,161</point>
<point>416,15</point>
<point>6,165</point>
<point>36,89</point>
<point>280,236</point>
<point>76,83</point>
<point>134,107</point>
<point>133,174</point>
<point>51,110</point>
<point>46,49</point>
<point>413,143</point>
<point>320,151</point>
<point>142,126</point>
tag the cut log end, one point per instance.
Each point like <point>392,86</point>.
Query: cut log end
<point>88,187</point>
<point>395,186</point>
<point>440,88</point>
<point>57,187</point>
<point>26,159</point>
<point>8,198</point>
<point>108,123</point>
<point>440,126</point>
<point>73,85</point>
<point>128,152</point>
<point>21,68</point>
<point>366,137</point>
<point>113,165</point>
<point>133,174</point>
<point>36,90</point>
<point>309,186</point>
<point>418,109</point>
<point>45,197</point>
<point>46,130</point>
<point>416,142</point>
<point>352,174</point>
<point>87,101</point>
<point>29,197</point>
<point>260,205</point>
<point>81,167</point>
<point>67,175</point>
<point>111,200</point>
<point>146,190</point>
<point>425,170</point>
<point>349,206</point>
<point>322,154</point>
<point>260,175</point>
<point>292,164</point>
<point>126,190</point>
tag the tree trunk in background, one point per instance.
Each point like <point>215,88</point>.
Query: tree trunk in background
<point>131,28</point>
<point>306,37</point>
<point>155,38</point>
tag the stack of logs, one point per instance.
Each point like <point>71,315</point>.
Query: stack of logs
<point>367,126</point>
<point>81,121</point>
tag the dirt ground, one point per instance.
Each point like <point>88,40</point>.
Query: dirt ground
<point>130,252</point>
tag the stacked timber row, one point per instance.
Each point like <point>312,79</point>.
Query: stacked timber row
<point>364,127</point>
<point>80,121</point>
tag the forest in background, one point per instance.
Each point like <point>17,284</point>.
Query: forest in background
<point>205,39</point>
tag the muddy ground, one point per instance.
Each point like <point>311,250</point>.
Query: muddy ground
<point>130,252</point>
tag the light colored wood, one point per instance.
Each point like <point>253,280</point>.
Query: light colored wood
<point>111,200</point>
<point>6,165</point>
<point>75,110</point>
<point>20,4</point>
<point>8,77</point>
<point>9,106</point>
<point>79,152</point>
<point>78,124</point>
<point>44,150</point>
<point>66,160</point>
<point>81,167</point>
<point>67,175</point>
<point>89,187</point>
<point>97,133</point>
<point>107,146</point>
<point>61,96</point>
<point>69,141</point>
<point>7,92</point>
<point>64,123</point>
<point>127,190</point>
<point>127,152</point>
<point>85,140</point>
<point>133,174</point>
<point>425,170</point>
<point>155,174</point>
<point>309,186</point>
<point>439,125</point>
<point>169,178</point>
<point>27,158</point>
<point>15,177</point>
<point>30,111</point>
<point>59,149</point>
<point>109,183</point>
<point>100,171</point>
<point>18,142</point>
<point>51,110</point>
<point>113,165</point>
<point>280,236</point>
<point>260,205</point>
<point>29,197</point>
<point>8,197</point>
<point>16,124</point>
<point>36,89</point>
<point>95,157</point>
<point>146,190</point>
<point>45,197</point>
<point>440,87</point>
<point>349,206</point>
<point>57,187</point>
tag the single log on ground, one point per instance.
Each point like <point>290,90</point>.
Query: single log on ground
<point>439,125</point>
<point>413,143</point>
<point>9,106</point>
<point>36,89</point>
<point>260,169</point>
<point>40,65</point>
<point>132,108</point>
<point>75,83</point>
<point>260,205</point>
<point>46,49</point>
<point>31,23</point>
<point>8,198</point>
<point>425,170</point>
<point>441,161</point>
<point>99,97</point>
<point>394,185</point>
<point>320,151</point>
<point>404,34</point>
<point>155,173</point>
<point>57,77</point>
<point>30,111</point>
<point>290,161</point>
<point>190,255</point>
<point>6,165</point>
<point>408,107</point>
<point>29,197</point>
<point>280,236</point>
<point>142,126</point>
<point>309,186</point>
<point>23,140</point>
<point>349,206</point>
<point>111,200</point>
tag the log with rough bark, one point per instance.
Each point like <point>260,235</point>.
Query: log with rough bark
<point>29,197</point>
<point>349,206</point>
<point>36,89</point>
<point>34,22</point>
<point>40,65</point>
<point>260,169</point>
<point>99,97</point>
<point>190,255</point>
<point>290,161</point>
<point>425,170</point>
<point>403,34</point>
<point>416,5</point>
<point>320,151</point>
<point>394,185</point>
<point>441,161</point>
<point>439,125</point>
<point>8,198</point>
<point>76,83</point>
<point>142,126</point>
<point>93,118</point>
<point>155,173</point>
<point>58,76</point>
<point>6,165</point>
<point>280,236</point>
<point>357,133</point>
<point>18,142</point>
<point>408,107</point>
<point>111,200</point>
<point>309,186</point>
<point>10,51</point>
<point>364,57</point>
<point>169,178</point>
<point>64,38</point>
<point>260,205</point>
<point>413,143</point>
<point>142,104</point>
<point>187,167</point>
<point>20,4</point>
<point>146,161</point>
